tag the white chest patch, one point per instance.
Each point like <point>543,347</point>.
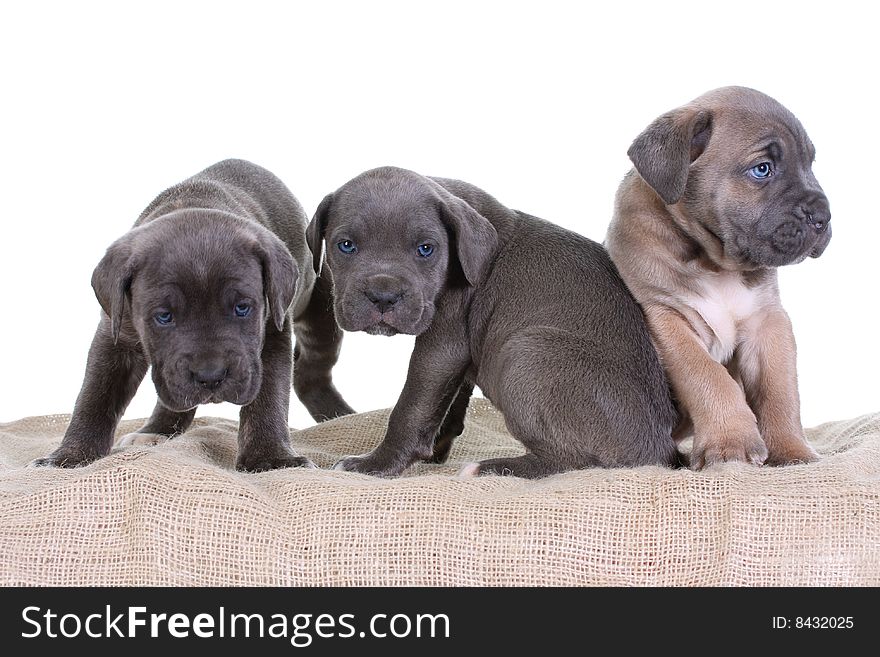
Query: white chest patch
<point>724,305</point>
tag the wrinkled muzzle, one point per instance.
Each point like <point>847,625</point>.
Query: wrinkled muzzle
<point>185,382</point>
<point>800,232</point>
<point>383,305</point>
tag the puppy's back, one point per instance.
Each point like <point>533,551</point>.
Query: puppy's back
<point>601,310</point>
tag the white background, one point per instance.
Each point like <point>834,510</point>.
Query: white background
<point>104,105</point>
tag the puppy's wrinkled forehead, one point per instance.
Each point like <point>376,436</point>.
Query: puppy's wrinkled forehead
<point>200,261</point>
<point>751,118</point>
<point>387,194</point>
<point>209,269</point>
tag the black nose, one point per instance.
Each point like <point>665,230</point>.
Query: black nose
<point>383,300</point>
<point>817,214</point>
<point>209,377</point>
<point>819,222</point>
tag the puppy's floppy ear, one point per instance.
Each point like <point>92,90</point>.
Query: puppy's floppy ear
<point>476,240</point>
<point>111,282</point>
<point>663,153</point>
<point>315,231</point>
<point>280,275</point>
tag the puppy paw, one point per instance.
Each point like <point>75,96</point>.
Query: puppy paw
<point>136,439</point>
<point>65,459</point>
<point>366,464</point>
<point>793,452</point>
<point>469,470</point>
<point>265,462</point>
<point>743,445</point>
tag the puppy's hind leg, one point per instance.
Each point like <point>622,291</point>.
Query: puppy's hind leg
<point>527,466</point>
<point>318,340</point>
<point>453,424</point>
<point>163,425</point>
<point>573,406</point>
<point>554,450</point>
<point>528,381</point>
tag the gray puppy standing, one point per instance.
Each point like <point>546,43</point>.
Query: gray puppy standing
<point>722,194</point>
<point>204,290</point>
<point>533,314</point>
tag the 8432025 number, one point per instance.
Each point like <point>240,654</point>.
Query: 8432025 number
<point>824,622</point>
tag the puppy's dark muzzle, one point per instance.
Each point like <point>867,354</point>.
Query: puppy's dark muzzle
<point>815,213</point>
<point>210,377</point>
<point>384,301</point>
<point>816,216</point>
<point>186,382</point>
<point>383,291</point>
<point>381,304</point>
<point>805,232</point>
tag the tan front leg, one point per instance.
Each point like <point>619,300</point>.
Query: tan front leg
<point>768,368</point>
<point>725,428</point>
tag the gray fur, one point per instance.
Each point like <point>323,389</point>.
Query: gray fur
<point>230,235</point>
<point>535,315</point>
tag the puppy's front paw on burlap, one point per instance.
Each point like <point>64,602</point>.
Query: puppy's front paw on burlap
<point>259,462</point>
<point>366,464</point>
<point>137,439</point>
<point>737,444</point>
<point>64,459</point>
<point>793,451</point>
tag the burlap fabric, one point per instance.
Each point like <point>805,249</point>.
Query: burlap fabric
<point>178,514</point>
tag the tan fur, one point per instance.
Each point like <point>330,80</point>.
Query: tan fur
<point>716,318</point>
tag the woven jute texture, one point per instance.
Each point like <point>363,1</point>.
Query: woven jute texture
<point>179,514</point>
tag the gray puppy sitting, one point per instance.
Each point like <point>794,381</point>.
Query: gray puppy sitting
<point>203,290</point>
<point>535,315</point>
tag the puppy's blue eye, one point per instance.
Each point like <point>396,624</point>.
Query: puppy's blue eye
<point>425,250</point>
<point>761,171</point>
<point>347,247</point>
<point>242,310</point>
<point>163,318</point>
